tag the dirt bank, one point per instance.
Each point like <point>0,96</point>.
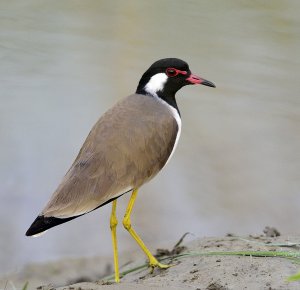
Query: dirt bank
<point>192,270</point>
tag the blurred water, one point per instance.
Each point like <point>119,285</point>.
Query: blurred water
<point>236,169</point>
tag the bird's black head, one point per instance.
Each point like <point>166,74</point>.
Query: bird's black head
<point>165,77</point>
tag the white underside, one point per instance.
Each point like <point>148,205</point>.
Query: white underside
<point>178,120</point>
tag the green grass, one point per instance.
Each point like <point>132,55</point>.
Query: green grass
<point>25,286</point>
<point>291,255</point>
<point>293,278</point>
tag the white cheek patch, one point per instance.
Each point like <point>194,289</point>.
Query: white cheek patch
<point>156,84</point>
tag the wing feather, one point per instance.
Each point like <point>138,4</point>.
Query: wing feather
<point>128,146</point>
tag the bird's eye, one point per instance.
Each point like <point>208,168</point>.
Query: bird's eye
<point>171,72</point>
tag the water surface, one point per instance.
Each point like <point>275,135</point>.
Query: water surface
<point>237,165</point>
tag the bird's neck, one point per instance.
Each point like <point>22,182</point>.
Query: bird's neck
<point>169,98</point>
<point>157,86</point>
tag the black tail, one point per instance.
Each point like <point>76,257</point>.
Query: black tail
<point>42,224</point>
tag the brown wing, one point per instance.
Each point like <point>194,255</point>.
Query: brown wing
<point>128,145</point>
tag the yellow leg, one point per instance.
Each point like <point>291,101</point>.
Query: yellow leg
<point>113,227</point>
<point>127,224</point>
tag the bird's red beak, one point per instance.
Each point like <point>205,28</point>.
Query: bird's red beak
<point>193,80</point>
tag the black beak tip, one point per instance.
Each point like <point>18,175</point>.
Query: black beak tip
<point>208,83</point>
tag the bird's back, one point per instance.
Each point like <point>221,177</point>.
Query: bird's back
<point>128,145</point>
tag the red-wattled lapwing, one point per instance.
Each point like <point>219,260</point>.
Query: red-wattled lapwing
<point>126,148</point>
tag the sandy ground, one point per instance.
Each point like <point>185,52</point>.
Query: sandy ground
<point>190,272</point>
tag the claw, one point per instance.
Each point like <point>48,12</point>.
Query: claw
<point>154,264</point>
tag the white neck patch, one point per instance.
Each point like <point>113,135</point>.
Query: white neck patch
<point>156,83</point>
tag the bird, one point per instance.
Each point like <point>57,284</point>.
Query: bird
<point>130,143</point>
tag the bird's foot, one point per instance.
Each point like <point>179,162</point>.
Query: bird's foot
<point>153,263</point>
